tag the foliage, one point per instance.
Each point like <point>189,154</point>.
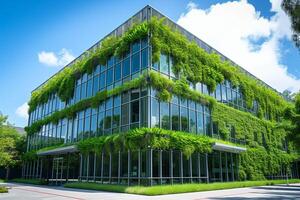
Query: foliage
<point>9,139</point>
<point>173,189</point>
<point>29,156</point>
<point>292,8</point>
<point>144,138</point>
<point>192,63</point>
<point>30,181</point>
<point>293,114</point>
<point>3,189</point>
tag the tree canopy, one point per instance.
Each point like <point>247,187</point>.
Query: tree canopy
<point>11,144</point>
<point>292,9</point>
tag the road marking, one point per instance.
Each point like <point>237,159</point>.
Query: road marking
<point>70,197</point>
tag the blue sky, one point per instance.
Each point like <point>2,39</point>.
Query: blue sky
<point>30,27</point>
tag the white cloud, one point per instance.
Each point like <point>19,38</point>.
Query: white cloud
<point>62,58</point>
<point>22,111</point>
<point>238,31</point>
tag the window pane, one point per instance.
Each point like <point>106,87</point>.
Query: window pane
<point>94,124</point>
<point>135,111</point>
<point>117,100</point>
<point>165,115</point>
<point>100,123</point>
<point>175,117</point>
<point>83,91</point>
<point>116,118</point>
<point>102,81</point>
<point>89,88</point>
<point>135,93</point>
<point>109,76</point>
<point>163,64</point>
<point>144,112</point>
<point>154,113</point>
<point>145,58</point>
<point>118,72</point>
<point>96,84</point>
<point>200,123</point>
<point>136,46</point>
<point>184,119</point>
<point>192,119</point>
<point>126,67</point>
<point>107,122</point>
<point>135,65</point>
<point>125,114</point>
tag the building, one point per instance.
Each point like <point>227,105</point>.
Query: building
<point>128,96</point>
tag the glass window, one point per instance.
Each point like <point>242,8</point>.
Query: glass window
<point>100,122</point>
<point>144,42</point>
<point>94,124</point>
<point>224,96</point>
<point>110,62</point>
<point>184,119</point>
<point>126,67</point>
<point>200,123</point>
<point>109,103</point>
<point>175,117</point>
<point>218,92</point>
<point>117,100</point>
<point>135,63</point>
<point>135,111</point>
<point>163,64</point>
<point>165,115</point>
<point>145,58</point>
<point>135,94</point>
<point>116,117</point>
<point>207,125</point>
<point>90,88</point>
<point>192,119</point>
<point>83,90</point>
<point>109,77</point>
<point>118,72</point>
<point>154,113</point>
<point>102,81</point>
<point>87,126</point>
<point>144,112</point>
<point>136,46</point>
<point>125,97</point>
<point>96,84</point>
<point>125,114</point>
<point>107,122</point>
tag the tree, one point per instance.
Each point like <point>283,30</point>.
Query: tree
<point>11,145</point>
<point>292,9</point>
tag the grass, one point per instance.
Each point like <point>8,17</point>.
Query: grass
<point>3,189</point>
<point>174,189</point>
<point>29,181</point>
<point>1,181</point>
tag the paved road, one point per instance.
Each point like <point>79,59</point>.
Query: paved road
<point>28,192</point>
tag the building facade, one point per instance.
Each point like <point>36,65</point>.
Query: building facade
<point>133,109</point>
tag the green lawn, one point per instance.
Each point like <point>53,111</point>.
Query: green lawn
<point>173,189</point>
<point>29,181</point>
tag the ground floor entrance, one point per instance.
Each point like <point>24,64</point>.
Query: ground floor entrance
<point>141,167</point>
<point>56,169</point>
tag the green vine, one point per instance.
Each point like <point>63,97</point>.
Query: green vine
<point>144,138</point>
<point>196,65</point>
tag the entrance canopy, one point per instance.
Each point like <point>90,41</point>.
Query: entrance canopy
<point>59,151</point>
<point>228,148</point>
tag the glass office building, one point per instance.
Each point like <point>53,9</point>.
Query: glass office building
<point>128,110</point>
